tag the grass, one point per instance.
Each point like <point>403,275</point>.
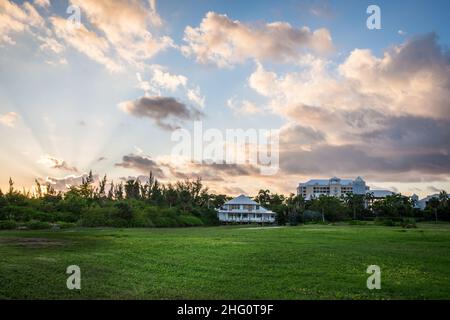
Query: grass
<point>304,262</point>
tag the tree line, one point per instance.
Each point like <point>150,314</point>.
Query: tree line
<point>395,209</point>
<point>126,204</point>
<point>133,203</point>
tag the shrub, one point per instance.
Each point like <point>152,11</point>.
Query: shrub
<point>8,225</point>
<point>98,217</point>
<point>294,219</point>
<point>189,221</point>
<point>38,225</point>
<point>165,222</point>
<point>408,223</point>
<point>65,225</point>
<point>310,215</point>
<point>124,211</point>
<point>357,223</point>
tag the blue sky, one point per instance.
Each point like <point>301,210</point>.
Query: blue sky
<point>382,89</point>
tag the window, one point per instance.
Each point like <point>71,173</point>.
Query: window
<point>234,206</point>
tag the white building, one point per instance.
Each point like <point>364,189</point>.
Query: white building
<point>422,204</point>
<point>244,210</point>
<point>332,187</point>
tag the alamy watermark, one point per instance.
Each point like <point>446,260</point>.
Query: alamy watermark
<point>74,280</point>
<point>256,147</point>
<point>74,19</point>
<point>374,280</point>
<point>374,20</point>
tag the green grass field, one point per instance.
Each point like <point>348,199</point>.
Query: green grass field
<point>234,262</point>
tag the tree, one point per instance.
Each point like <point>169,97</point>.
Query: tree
<point>355,202</point>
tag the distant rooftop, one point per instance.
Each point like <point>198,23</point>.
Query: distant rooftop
<point>242,199</point>
<point>381,193</point>
<point>326,182</point>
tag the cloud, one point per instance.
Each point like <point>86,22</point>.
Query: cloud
<point>168,81</point>
<point>214,172</point>
<point>406,79</point>
<point>224,42</point>
<point>86,42</point>
<point>55,163</point>
<point>385,118</point>
<point>163,80</point>
<point>15,19</point>
<point>140,163</point>
<point>321,9</point>
<point>51,44</point>
<point>195,96</point>
<point>62,184</point>
<point>42,3</point>
<point>433,189</point>
<point>125,24</point>
<point>9,119</point>
<point>167,112</point>
<point>293,135</point>
<point>243,107</point>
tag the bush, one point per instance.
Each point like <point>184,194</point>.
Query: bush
<point>124,211</point>
<point>165,222</point>
<point>357,223</point>
<point>189,221</point>
<point>65,225</point>
<point>98,217</point>
<point>38,225</point>
<point>8,225</point>
<point>408,223</point>
<point>386,222</point>
<point>310,215</point>
<point>294,219</point>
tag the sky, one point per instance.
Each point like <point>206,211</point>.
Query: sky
<point>107,91</point>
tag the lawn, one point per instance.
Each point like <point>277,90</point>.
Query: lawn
<point>232,262</point>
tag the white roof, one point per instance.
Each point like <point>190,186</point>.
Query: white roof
<point>326,182</point>
<point>242,199</point>
<point>381,193</point>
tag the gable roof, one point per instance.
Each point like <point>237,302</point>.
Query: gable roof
<point>381,193</point>
<point>242,199</point>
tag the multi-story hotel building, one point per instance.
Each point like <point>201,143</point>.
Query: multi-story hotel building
<point>334,187</point>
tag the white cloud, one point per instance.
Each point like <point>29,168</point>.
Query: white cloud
<point>55,163</point>
<point>125,24</point>
<point>9,119</point>
<point>16,19</point>
<point>224,42</point>
<point>87,42</point>
<point>51,44</point>
<point>195,96</point>
<point>243,107</point>
<point>413,78</point>
<point>166,80</point>
<point>42,3</point>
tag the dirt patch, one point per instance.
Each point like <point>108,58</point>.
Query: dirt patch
<point>31,242</point>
